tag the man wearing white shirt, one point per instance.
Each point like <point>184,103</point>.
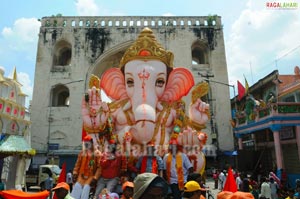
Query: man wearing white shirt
<point>265,190</point>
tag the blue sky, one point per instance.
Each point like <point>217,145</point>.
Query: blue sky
<point>258,39</point>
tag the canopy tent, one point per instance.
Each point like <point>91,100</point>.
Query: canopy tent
<point>14,145</point>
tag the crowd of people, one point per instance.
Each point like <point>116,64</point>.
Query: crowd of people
<point>144,186</point>
<point>103,173</point>
<point>261,186</point>
<point>109,175</point>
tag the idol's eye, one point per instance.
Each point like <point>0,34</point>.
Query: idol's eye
<point>160,82</point>
<point>130,82</point>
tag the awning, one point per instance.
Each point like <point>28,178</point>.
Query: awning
<point>13,145</point>
<point>230,153</point>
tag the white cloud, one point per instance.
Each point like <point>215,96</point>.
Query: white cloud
<point>257,38</point>
<point>22,35</point>
<point>87,8</point>
<point>290,38</point>
<point>2,69</point>
<point>27,87</point>
<point>21,40</point>
<point>7,32</point>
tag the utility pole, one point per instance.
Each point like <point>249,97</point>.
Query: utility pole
<point>207,77</point>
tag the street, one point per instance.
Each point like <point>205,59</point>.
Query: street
<point>211,184</point>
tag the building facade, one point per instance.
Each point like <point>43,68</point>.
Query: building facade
<point>71,49</point>
<point>268,127</point>
<point>15,150</point>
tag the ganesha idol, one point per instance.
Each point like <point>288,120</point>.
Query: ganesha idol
<point>146,92</point>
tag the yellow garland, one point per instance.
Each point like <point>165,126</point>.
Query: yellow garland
<point>163,126</point>
<point>129,122</point>
<point>93,130</point>
<point>178,167</point>
<point>156,128</point>
<point>116,104</point>
<point>196,126</point>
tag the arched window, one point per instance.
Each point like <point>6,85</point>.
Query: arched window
<point>60,96</point>
<point>62,56</point>
<point>198,56</point>
<point>199,53</point>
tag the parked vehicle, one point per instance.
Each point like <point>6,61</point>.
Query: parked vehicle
<point>38,176</point>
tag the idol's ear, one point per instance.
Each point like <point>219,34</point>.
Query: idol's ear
<point>113,84</point>
<point>179,84</point>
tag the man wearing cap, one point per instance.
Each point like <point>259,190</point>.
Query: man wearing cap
<point>62,191</point>
<point>86,170</point>
<point>127,188</point>
<point>149,186</point>
<point>150,163</point>
<point>177,166</point>
<point>193,190</point>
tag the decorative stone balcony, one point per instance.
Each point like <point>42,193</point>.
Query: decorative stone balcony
<point>130,21</point>
<point>274,115</point>
<point>272,110</point>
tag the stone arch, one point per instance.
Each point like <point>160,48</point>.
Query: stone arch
<point>109,59</point>
<point>199,50</point>
<point>62,55</point>
<point>60,95</point>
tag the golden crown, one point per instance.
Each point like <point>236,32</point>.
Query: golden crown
<point>147,48</point>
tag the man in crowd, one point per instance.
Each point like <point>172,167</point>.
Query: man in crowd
<point>110,164</point>
<point>86,170</point>
<point>69,179</point>
<point>127,188</point>
<point>150,163</point>
<point>265,190</point>
<point>62,191</point>
<point>177,166</point>
<point>192,190</point>
<point>149,186</point>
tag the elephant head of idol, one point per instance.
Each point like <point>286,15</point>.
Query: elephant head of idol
<point>146,78</point>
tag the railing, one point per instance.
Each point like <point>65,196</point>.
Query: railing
<point>272,109</point>
<point>130,21</point>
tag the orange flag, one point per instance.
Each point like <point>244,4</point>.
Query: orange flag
<point>230,184</point>
<point>62,176</point>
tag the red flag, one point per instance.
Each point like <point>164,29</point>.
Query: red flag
<point>62,176</point>
<point>241,90</point>
<point>230,184</point>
